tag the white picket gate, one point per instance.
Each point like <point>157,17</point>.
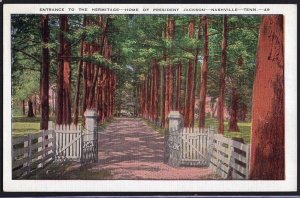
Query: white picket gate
<point>68,141</point>
<point>202,147</point>
<point>195,146</point>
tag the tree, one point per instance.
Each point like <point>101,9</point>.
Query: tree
<point>63,115</point>
<point>30,113</point>
<point>222,79</point>
<point>204,74</point>
<point>267,145</point>
<point>45,73</point>
<point>79,74</point>
<point>189,106</point>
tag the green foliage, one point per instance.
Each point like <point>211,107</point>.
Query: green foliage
<point>137,40</point>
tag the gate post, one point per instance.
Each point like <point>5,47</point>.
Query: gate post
<point>90,124</point>
<point>173,138</point>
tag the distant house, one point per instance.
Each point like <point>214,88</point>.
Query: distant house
<point>211,107</point>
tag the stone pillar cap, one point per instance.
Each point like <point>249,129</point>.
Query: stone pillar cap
<point>174,114</point>
<point>90,113</point>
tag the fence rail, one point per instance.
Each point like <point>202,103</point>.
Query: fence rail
<point>230,159</point>
<point>32,152</point>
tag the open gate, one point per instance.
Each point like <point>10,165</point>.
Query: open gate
<point>188,146</point>
<point>75,143</point>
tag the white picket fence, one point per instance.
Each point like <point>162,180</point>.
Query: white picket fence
<point>32,152</point>
<point>68,141</point>
<point>229,158</point>
<point>195,146</point>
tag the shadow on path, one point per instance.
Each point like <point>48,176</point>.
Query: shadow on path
<point>130,149</point>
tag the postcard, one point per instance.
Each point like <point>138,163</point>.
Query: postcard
<point>143,98</point>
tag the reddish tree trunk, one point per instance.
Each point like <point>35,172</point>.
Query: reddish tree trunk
<point>63,114</point>
<point>195,72</point>
<point>150,94</point>
<point>267,146</point>
<point>80,65</point>
<point>163,92</point>
<point>98,97</point>
<point>67,117</point>
<point>167,94</point>
<point>103,86</point>
<point>179,80</point>
<point>171,88</point>
<point>94,76</point>
<point>204,74</point>
<point>149,98</point>
<point>23,107</point>
<point>156,102</point>
<point>189,106</point>
<point>30,113</point>
<point>170,35</point>
<point>60,74</point>
<point>45,73</point>
<point>222,79</point>
<point>233,112</point>
<point>242,115</point>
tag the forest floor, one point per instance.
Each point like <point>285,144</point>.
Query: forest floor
<point>128,149</point>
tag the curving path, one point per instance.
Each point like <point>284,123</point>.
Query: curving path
<point>130,149</point>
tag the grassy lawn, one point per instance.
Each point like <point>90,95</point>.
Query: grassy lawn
<point>23,126</point>
<point>245,129</point>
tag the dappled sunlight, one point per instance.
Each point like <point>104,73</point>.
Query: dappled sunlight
<point>130,149</point>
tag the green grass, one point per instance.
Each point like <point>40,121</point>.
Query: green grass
<point>23,126</point>
<point>154,127</point>
<point>245,129</point>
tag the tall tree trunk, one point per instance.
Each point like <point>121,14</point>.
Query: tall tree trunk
<point>30,113</point>
<point>67,117</point>
<point>179,82</point>
<point>45,73</point>
<point>267,145</point>
<point>79,73</point>
<point>53,102</point>
<point>222,79</point>
<point>23,107</point>
<point>94,77</point>
<point>151,94</point>
<point>60,74</point>
<point>195,71</point>
<point>204,74</point>
<point>242,113</point>
<point>189,106</point>
<point>233,112</point>
<point>170,35</point>
<point>157,81</point>
<point>163,93</point>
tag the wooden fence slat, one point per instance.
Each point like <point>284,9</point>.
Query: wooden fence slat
<point>19,140</point>
<point>20,151</point>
